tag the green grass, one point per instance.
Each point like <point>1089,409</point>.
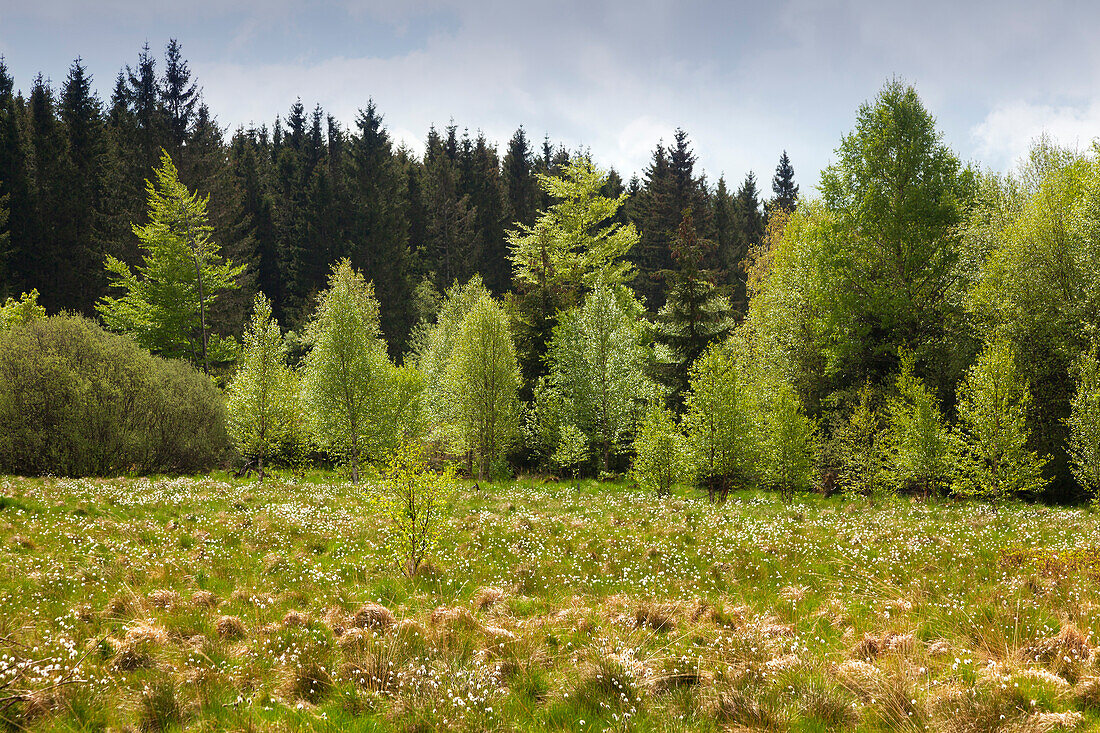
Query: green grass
<point>210,603</point>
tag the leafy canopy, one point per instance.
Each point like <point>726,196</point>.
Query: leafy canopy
<point>575,242</point>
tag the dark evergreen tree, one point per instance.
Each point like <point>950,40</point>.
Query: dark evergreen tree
<point>695,314</point>
<point>83,192</point>
<point>522,194</point>
<point>16,176</point>
<point>378,237</point>
<point>671,187</point>
<point>252,171</point>
<point>179,96</point>
<point>450,246</point>
<point>727,254</point>
<point>784,189</point>
<point>487,202</point>
<point>142,97</point>
<point>45,261</point>
<point>748,217</point>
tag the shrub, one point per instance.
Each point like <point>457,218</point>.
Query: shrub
<point>413,498</point>
<point>789,445</point>
<point>721,422</point>
<point>993,404</point>
<point>921,454</point>
<point>1084,424</point>
<point>862,455</point>
<point>19,312</point>
<point>78,401</point>
<point>661,459</point>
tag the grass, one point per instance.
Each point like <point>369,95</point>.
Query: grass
<point>211,604</point>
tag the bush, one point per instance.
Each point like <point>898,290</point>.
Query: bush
<point>78,401</point>
<point>1084,424</point>
<point>661,460</point>
<point>721,422</point>
<point>789,445</point>
<point>922,448</point>
<point>861,450</point>
<point>413,497</point>
<point>993,405</point>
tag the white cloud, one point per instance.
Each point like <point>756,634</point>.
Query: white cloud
<point>1003,138</point>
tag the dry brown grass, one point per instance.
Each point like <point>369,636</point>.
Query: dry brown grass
<point>230,628</point>
<point>373,616</point>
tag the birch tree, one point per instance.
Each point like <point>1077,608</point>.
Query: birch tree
<point>347,379</point>
<point>261,395</point>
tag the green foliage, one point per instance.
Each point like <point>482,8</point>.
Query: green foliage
<point>482,380</point>
<point>597,366</point>
<point>359,403</point>
<point>786,330</point>
<point>922,448</point>
<point>167,298</point>
<point>661,459</point>
<point>1037,287</point>
<point>993,404</point>
<point>897,195</point>
<point>20,312</point>
<point>434,354</point>
<point>78,401</point>
<point>576,242</point>
<point>414,499</point>
<point>571,450</point>
<point>721,422</point>
<point>862,453</point>
<point>789,445</point>
<point>1084,424</point>
<point>262,397</point>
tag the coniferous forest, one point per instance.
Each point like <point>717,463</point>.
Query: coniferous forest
<point>292,195</point>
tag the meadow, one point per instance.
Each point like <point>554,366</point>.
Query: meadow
<point>211,603</point>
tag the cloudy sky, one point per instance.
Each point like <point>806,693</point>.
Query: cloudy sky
<point>746,80</point>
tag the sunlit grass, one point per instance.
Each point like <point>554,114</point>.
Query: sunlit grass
<point>209,602</point>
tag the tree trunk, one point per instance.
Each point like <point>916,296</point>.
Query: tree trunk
<point>202,308</point>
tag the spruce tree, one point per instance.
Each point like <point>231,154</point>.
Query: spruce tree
<point>17,184</point>
<point>748,217</point>
<point>378,232</point>
<point>486,198</point>
<point>450,246</point>
<point>730,250</point>
<point>521,200</point>
<point>84,189</point>
<point>695,315</point>
<point>46,260</point>
<point>784,189</point>
<point>671,187</point>
<point>178,94</point>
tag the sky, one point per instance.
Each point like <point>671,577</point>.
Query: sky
<point>745,80</point>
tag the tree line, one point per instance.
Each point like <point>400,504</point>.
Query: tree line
<point>921,325</point>
<point>290,198</point>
